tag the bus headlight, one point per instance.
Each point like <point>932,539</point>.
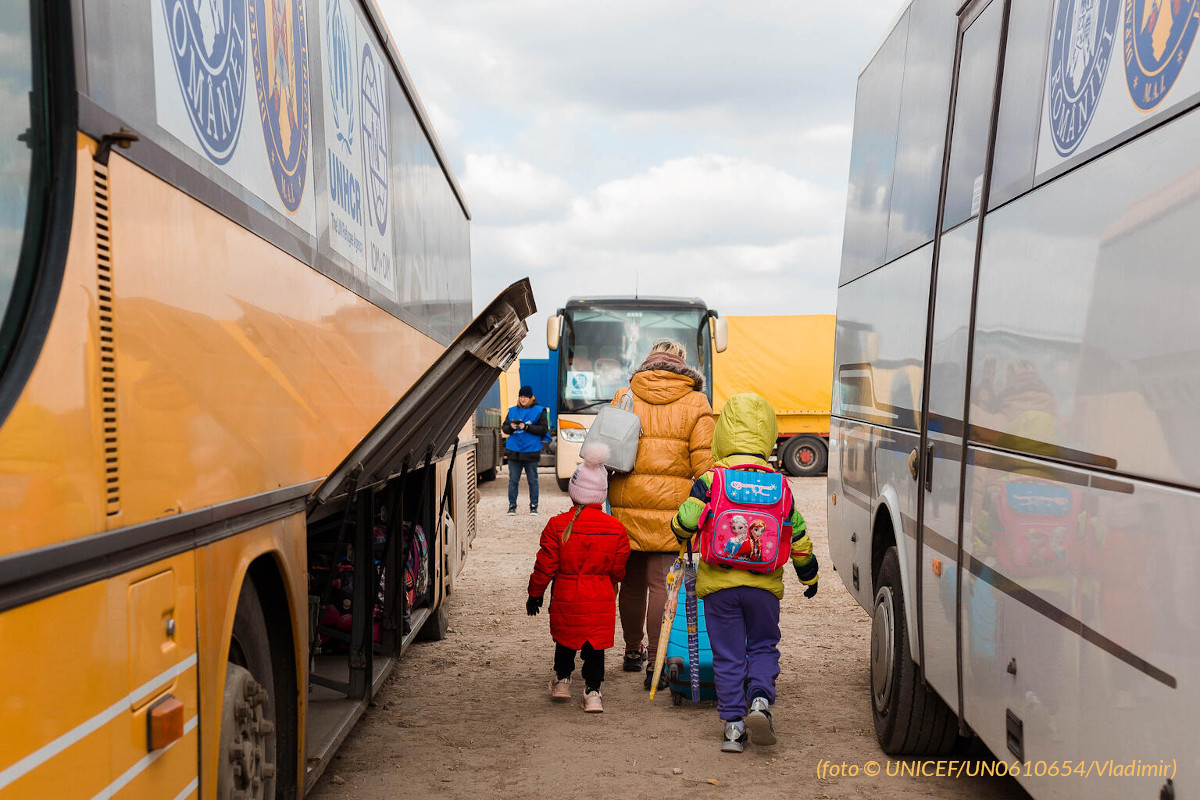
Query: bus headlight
<point>572,431</point>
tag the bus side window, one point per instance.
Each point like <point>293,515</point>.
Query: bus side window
<point>928,69</point>
<point>873,157</point>
<point>1020,100</point>
<point>972,116</point>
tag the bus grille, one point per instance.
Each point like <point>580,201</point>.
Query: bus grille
<point>108,359</point>
<point>472,498</point>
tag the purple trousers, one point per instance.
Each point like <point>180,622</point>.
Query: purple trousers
<point>743,626</point>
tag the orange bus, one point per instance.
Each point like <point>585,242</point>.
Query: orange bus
<point>237,371</point>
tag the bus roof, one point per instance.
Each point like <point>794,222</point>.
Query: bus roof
<point>629,301</point>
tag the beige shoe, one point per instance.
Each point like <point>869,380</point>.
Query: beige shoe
<point>592,703</point>
<point>560,690</point>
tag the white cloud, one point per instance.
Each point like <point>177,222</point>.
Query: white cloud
<point>745,237</point>
<point>682,147</point>
<point>502,189</point>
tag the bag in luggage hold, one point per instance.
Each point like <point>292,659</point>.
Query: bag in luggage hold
<point>416,566</point>
<point>743,525</point>
<point>619,429</point>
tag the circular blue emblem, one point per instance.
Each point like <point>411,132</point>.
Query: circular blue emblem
<point>1080,52</point>
<point>375,144</point>
<point>208,47</point>
<point>339,64</point>
<point>1158,37</point>
<point>279,50</point>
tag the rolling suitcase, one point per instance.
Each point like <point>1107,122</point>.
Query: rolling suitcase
<point>677,668</point>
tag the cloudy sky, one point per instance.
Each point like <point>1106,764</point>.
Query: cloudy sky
<point>675,147</point>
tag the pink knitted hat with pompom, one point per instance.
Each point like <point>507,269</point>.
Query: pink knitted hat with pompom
<point>589,484</point>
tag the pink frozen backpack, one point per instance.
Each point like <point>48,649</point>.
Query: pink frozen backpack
<point>743,525</point>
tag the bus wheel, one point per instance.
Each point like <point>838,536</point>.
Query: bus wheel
<point>564,484</point>
<point>910,718</point>
<point>246,765</point>
<point>805,456</point>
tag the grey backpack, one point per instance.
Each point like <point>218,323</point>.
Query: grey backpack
<point>619,429</point>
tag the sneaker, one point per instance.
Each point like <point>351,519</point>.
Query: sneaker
<point>735,737</point>
<point>662,678</point>
<point>533,511</point>
<point>758,722</point>
<point>592,703</point>
<point>634,662</point>
<point>559,689</point>
<point>512,511</point>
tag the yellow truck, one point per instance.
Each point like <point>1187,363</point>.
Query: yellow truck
<point>789,361</point>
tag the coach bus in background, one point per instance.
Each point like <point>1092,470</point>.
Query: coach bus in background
<point>1015,449</point>
<point>602,340</point>
<point>231,243</point>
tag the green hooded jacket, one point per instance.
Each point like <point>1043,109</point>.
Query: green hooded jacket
<point>745,434</point>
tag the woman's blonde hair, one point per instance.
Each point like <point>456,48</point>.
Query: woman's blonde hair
<point>669,346</point>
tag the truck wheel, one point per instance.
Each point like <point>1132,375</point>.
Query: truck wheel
<point>487,475</point>
<point>910,718</point>
<point>805,456</point>
<point>564,483</point>
<point>247,764</point>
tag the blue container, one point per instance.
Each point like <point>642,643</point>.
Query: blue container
<point>679,674</point>
<point>542,375</point>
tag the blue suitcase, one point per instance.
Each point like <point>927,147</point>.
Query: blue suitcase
<point>679,675</point>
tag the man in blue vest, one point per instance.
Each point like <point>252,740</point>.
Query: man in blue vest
<point>527,424</point>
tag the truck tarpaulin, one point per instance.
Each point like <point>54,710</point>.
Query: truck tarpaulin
<point>786,359</point>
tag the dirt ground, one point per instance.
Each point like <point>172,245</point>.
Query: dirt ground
<point>470,717</point>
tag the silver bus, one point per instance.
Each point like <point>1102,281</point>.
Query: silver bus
<point>1015,443</point>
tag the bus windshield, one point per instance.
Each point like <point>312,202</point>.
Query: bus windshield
<point>602,346</point>
<point>16,138</point>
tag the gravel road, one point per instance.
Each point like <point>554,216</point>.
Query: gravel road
<point>469,716</point>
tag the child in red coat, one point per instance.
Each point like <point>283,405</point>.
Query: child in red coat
<point>583,551</point>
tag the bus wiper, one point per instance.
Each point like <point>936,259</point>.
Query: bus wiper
<point>592,404</point>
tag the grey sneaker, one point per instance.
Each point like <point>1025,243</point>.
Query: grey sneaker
<point>512,511</point>
<point>758,722</point>
<point>735,737</point>
<point>533,511</point>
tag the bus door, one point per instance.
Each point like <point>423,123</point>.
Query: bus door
<point>981,31</point>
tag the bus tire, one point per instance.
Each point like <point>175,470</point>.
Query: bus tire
<point>248,759</point>
<point>805,456</point>
<point>910,718</point>
<point>564,484</point>
<point>435,627</point>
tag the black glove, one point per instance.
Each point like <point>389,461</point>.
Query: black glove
<point>811,591</point>
<point>533,605</point>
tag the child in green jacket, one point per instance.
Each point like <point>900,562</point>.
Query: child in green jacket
<point>741,608</point>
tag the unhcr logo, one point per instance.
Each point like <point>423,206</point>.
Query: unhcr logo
<point>340,68</point>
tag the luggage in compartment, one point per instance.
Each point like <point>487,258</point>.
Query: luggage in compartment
<point>679,674</point>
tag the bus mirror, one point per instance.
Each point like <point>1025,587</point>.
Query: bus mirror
<point>553,331</point>
<point>720,333</point>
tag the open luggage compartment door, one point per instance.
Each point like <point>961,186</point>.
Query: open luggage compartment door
<point>362,552</point>
<point>379,506</point>
<point>427,419</point>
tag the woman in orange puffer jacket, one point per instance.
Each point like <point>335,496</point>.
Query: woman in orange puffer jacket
<point>675,449</point>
